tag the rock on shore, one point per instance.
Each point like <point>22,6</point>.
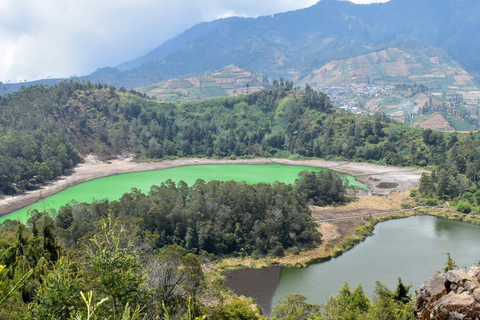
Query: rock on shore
<point>453,295</point>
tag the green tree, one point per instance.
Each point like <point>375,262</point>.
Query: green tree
<point>401,294</point>
<point>57,296</point>
<point>173,276</point>
<point>315,100</point>
<point>115,265</point>
<point>321,188</point>
<point>347,305</point>
<point>464,206</point>
<point>295,307</point>
<point>385,306</point>
<point>9,288</point>
<point>449,264</point>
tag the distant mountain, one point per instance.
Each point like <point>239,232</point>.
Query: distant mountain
<point>292,44</point>
<point>175,43</point>
<point>297,42</point>
<point>12,87</point>
<point>393,65</point>
<point>228,81</point>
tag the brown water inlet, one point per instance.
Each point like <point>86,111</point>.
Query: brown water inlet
<point>259,284</point>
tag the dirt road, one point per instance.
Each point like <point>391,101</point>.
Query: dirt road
<point>369,215</point>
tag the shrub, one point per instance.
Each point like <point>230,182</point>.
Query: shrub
<point>413,193</point>
<point>464,206</point>
<point>432,202</point>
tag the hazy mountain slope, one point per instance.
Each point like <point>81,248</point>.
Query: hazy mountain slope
<point>414,84</point>
<point>390,66</point>
<point>452,25</point>
<point>297,39</point>
<point>305,39</point>
<point>174,44</point>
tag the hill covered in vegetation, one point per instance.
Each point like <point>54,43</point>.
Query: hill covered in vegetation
<point>390,66</point>
<point>137,253</point>
<point>46,130</point>
<point>228,81</point>
<point>414,84</point>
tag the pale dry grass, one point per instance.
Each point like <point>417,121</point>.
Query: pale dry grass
<point>361,205</point>
<point>462,80</point>
<point>329,231</point>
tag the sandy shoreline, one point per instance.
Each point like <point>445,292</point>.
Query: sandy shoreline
<point>372,175</point>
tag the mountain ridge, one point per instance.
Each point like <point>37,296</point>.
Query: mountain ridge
<point>307,38</point>
<point>294,43</point>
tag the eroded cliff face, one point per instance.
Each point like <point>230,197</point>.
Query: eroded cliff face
<point>453,295</point>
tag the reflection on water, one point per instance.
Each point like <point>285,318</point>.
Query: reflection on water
<point>449,230</point>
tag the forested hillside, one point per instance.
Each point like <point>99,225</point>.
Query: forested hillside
<point>221,218</point>
<point>150,256</point>
<point>44,127</point>
<point>145,254</point>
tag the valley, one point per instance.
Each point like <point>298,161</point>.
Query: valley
<point>414,85</point>
<point>251,167</point>
<point>234,224</point>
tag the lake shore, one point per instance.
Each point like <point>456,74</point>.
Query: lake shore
<point>376,177</point>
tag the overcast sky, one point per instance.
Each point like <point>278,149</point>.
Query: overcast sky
<point>63,38</point>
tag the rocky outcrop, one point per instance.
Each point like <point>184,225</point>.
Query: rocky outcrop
<point>450,296</point>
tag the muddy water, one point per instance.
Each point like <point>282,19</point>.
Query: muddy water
<point>411,248</point>
<point>260,284</point>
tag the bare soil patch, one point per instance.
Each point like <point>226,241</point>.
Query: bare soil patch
<point>362,205</point>
<point>437,122</point>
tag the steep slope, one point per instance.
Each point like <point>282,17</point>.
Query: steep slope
<point>391,66</point>
<point>174,44</point>
<point>43,130</point>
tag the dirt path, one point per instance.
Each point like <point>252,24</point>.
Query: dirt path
<point>380,179</point>
<point>368,215</point>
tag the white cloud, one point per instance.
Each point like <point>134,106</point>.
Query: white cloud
<point>74,37</point>
<point>367,1</point>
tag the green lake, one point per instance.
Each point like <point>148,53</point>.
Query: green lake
<point>113,187</point>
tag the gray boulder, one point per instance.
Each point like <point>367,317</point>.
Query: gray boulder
<point>451,296</point>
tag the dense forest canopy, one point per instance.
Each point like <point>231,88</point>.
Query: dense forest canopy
<point>116,272</point>
<point>221,218</point>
